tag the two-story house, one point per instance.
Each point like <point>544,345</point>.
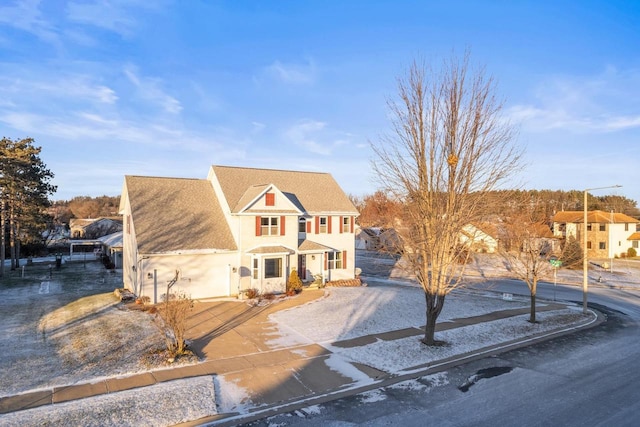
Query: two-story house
<point>239,229</point>
<point>609,234</point>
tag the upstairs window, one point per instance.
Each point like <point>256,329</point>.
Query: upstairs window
<point>269,226</point>
<point>302,225</point>
<point>603,227</point>
<point>322,224</point>
<point>270,199</point>
<point>588,227</point>
<point>346,224</point>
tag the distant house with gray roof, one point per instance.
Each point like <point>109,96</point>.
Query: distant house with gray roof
<point>238,229</point>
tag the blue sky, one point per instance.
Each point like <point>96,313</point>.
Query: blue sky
<point>168,88</point>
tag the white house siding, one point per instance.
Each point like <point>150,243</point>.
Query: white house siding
<point>199,275</point>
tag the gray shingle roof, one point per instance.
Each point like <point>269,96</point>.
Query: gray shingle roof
<point>311,192</point>
<point>173,214</point>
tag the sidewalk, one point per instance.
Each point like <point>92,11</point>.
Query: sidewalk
<point>233,337</point>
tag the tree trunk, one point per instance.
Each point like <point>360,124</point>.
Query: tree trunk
<point>532,316</point>
<point>12,237</point>
<point>434,305</point>
<point>3,238</point>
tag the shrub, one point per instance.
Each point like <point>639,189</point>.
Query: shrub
<point>269,296</point>
<point>631,252</point>
<point>252,293</point>
<point>294,284</point>
<point>171,318</point>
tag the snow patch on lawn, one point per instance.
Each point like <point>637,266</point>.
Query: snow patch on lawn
<point>157,405</point>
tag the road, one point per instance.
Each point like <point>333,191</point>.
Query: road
<point>589,378</point>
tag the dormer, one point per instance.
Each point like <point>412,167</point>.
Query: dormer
<point>266,198</point>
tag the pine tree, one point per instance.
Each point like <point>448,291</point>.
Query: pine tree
<point>24,194</point>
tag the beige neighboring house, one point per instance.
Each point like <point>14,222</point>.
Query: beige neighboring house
<point>480,238</point>
<point>609,234</point>
<point>239,229</point>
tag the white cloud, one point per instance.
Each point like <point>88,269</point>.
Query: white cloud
<point>118,16</point>
<point>292,73</point>
<point>70,88</point>
<point>149,89</point>
<point>314,136</point>
<point>601,103</point>
<point>26,15</point>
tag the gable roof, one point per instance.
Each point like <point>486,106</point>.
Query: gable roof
<point>174,214</point>
<point>311,192</point>
<point>593,217</point>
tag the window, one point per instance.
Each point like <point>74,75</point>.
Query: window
<point>588,227</point>
<point>638,227</point>
<point>626,226</point>
<point>270,199</point>
<point>255,268</point>
<point>603,227</point>
<point>322,224</point>
<point>302,225</point>
<point>269,226</point>
<point>602,245</point>
<point>588,245</point>
<point>272,268</point>
<point>346,224</point>
<point>634,244</point>
<point>334,260</point>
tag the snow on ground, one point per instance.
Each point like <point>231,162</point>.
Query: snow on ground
<point>162,404</point>
<point>347,313</point>
<point>407,354</point>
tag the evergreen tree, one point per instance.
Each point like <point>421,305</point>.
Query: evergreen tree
<point>24,195</point>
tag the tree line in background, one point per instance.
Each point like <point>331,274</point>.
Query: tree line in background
<point>380,209</point>
<point>25,188</point>
<point>84,207</point>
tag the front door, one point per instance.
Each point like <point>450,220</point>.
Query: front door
<point>302,267</point>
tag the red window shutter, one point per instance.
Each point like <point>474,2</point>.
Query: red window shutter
<point>341,223</point>
<point>326,260</point>
<point>353,229</point>
<point>317,225</point>
<point>309,226</point>
<point>344,259</point>
<point>270,199</point>
<point>282,225</point>
<point>258,226</point>
<point>329,224</point>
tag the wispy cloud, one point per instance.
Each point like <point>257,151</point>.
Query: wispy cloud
<point>303,73</point>
<point>314,136</point>
<point>601,103</point>
<point>26,15</point>
<point>118,16</point>
<point>150,89</point>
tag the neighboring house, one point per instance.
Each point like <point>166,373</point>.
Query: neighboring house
<point>480,238</point>
<point>368,238</point>
<point>239,229</point>
<point>112,247</point>
<point>609,234</point>
<point>81,228</point>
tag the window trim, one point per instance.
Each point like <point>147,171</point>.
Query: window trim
<point>277,268</point>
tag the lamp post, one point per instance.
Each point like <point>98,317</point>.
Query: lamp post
<point>585,262</point>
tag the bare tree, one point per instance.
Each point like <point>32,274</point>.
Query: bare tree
<point>527,248</point>
<point>449,144</point>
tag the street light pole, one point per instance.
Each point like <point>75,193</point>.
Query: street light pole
<point>585,261</point>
